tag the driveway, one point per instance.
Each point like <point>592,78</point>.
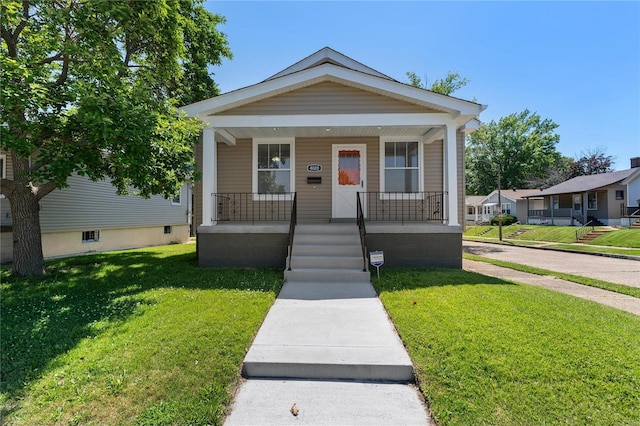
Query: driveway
<point>613,270</point>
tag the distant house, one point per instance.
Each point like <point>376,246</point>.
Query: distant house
<point>88,217</point>
<point>604,199</point>
<point>514,203</point>
<point>329,139</point>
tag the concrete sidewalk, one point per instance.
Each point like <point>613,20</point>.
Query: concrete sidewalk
<point>609,298</point>
<point>330,349</point>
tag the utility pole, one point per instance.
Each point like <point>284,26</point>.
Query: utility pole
<point>499,207</point>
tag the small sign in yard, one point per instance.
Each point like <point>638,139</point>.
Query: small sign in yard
<point>376,258</point>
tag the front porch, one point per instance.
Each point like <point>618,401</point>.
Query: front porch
<point>411,228</point>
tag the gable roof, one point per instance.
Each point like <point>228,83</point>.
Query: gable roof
<point>632,176</point>
<point>515,194</point>
<point>327,55</point>
<point>474,200</point>
<point>329,65</point>
<point>587,183</point>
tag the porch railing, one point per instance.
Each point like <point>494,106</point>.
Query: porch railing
<point>253,207</point>
<point>362,229</point>
<point>629,211</point>
<point>584,230</point>
<point>403,206</point>
<point>292,225</point>
<point>566,212</point>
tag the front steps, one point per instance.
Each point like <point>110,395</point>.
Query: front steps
<point>327,253</point>
<point>591,236</point>
<point>327,322</point>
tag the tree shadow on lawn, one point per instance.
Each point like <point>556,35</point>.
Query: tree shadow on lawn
<point>42,318</point>
<point>397,279</point>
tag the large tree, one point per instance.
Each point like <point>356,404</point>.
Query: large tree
<point>91,87</point>
<point>519,146</point>
<point>592,161</point>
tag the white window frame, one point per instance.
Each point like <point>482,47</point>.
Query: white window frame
<point>595,200</point>
<point>292,168</point>
<point>506,206</point>
<point>408,195</point>
<point>3,171</point>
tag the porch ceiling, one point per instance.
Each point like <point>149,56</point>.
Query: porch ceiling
<point>324,132</point>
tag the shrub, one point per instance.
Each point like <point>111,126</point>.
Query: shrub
<point>507,220</point>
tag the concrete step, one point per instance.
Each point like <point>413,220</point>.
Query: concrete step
<point>327,250</point>
<point>311,275</point>
<point>325,239</point>
<point>326,262</point>
<point>328,228</point>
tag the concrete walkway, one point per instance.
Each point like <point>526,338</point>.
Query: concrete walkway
<point>609,298</point>
<point>330,349</point>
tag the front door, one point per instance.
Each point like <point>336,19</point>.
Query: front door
<point>348,178</point>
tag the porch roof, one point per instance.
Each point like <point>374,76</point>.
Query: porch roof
<point>586,183</point>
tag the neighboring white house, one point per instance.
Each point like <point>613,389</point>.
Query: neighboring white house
<point>480,209</point>
<point>89,216</point>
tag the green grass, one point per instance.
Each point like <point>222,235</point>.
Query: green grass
<point>618,288</point>
<point>490,352</point>
<point>619,238</point>
<point>134,337</point>
<point>592,249</point>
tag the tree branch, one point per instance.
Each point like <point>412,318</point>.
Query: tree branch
<point>44,189</point>
<point>7,186</point>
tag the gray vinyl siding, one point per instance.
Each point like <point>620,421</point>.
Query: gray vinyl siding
<point>87,205</point>
<point>327,98</point>
<point>234,166</point>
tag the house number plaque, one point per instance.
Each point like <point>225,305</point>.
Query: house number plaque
<point>314,167</point>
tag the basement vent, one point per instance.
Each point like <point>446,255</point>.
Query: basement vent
<point>167,229</point>
<point>90,236</point>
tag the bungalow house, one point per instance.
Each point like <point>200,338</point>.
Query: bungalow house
<point>330,140</point>
<point>601,199</point>
<point>88,217</point>
<point>473,204</point>
<point>514,203</point>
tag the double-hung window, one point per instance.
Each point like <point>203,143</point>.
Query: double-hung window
<point>402,164</point>
<point>592,201</point>
<point>273,167</point>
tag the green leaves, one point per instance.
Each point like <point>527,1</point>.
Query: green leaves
<point>521,145</point>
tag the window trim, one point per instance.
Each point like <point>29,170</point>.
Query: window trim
<point>595,193</point>
<point>405,195</point>
<point>95,239</point>
<point>179,197</point>
<point>254,169</point>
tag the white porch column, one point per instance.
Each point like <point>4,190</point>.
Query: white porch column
<point>209,175</point>
<point>451,173</point>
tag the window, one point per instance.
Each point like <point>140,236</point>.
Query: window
<point>273,165</point>
<point>470,210</point>
<point>619,195</point>
<point>167,229</point>
<point>175,201</point>
<point>3,166</point>
<point>592,201</point>
<point>506,208</point>
<point>556,202</point>
<point>90,236</point>
<point>401,166</point>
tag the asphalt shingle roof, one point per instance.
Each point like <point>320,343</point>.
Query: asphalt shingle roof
<point>586,183</point>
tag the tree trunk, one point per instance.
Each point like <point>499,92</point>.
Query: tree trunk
<point>28,259</point>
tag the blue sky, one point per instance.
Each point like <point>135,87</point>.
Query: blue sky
<point>577,63</point>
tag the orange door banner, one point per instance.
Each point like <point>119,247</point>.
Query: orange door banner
<point>349,167</point>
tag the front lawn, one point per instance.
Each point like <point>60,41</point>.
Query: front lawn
<point>491,352</point>
<point>133,337</point>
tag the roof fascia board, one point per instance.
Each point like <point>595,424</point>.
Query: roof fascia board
<point>327,53</point>
<point>631,177</point>
<point>461,110</point>
<point>329,120</point>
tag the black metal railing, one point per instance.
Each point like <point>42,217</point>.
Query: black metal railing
<point>362,230</point>
<point>564,212</point>
<point>584,230</point>
<point>292,225</point>
<point>404,206</point>
<point>253,207</point>
<point>629,211</point>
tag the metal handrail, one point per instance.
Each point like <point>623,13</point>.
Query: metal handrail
<point>292,224</point>
<point>362,230</point>
<point>582,231</point>
<point>252,207</point>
